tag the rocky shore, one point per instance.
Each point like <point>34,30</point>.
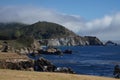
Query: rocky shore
<point>17,58</point>
<point>15,61</point>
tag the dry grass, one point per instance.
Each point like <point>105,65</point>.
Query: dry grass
<point>27,75</point>
<point>8,55</point>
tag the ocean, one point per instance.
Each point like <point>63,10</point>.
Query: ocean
<point>88,60</point>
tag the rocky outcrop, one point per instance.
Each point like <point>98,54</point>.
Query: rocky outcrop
<point>110,43</point>
<point>15,61</point>
<point>4,47</point>
<point>44,65</point>
<point>22,65</point>
<point>35,46</point>
<point>93,40</point>
<point>72,41</point>
<point>20,62</point>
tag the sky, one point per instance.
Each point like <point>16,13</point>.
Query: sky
<point>100,18</point>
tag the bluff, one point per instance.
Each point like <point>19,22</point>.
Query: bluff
<point>93,40</point>
<point>46,33</point>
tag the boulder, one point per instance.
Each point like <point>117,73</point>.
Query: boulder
<point>43,65</point>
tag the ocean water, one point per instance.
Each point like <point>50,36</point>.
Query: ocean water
<point>89,60</point>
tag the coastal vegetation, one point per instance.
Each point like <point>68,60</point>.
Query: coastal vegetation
<point>39,30</point>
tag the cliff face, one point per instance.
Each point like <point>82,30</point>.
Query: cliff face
<point>72,41</point>
<point>93,40</point>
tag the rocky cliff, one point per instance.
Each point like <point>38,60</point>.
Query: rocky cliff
<point>93,40</point>
<point>71,41</point>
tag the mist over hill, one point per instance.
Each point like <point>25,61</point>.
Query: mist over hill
<point>39,30</point>
<point>55,34</point>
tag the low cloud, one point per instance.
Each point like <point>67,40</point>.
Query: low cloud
<point>108,27</point>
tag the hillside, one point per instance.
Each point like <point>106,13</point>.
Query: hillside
<point>48,33</point>
<point>23,35</point>
<point>27,75</point>
<point>46,30</point>
<point>39,30</point>
<point>8,30</point>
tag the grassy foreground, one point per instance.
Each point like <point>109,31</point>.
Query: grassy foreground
<point>27,75</point>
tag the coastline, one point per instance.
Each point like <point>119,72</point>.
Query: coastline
<point>78,69</point>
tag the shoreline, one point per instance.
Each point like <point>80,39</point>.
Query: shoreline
<point>58,66</point>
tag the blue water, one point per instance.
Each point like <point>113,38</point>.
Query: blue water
<point>90,60</point>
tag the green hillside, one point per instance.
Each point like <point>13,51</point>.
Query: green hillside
<point>19,34</point>
<point>39,30</point>
<point>8,30</point>
<point>45,30</point>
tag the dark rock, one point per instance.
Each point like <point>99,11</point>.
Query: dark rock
<point>67,51</point>
<point>43,65</point>
<point>110,43</point>
<point>64,70</point>
<point>116,72</point>
<point>5,47</point>
<point>93,40</point>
